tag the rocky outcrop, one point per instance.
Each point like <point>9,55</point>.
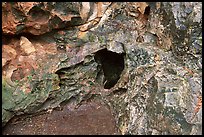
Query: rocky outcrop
<point>144,60</point>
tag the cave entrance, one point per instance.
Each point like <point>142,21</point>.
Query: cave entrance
<point>111,65</point>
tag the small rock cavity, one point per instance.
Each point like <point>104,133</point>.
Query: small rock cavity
<point>111,66</point>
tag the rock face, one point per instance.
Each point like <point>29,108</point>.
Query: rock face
<point>144,60</point>
<point>90,118</point>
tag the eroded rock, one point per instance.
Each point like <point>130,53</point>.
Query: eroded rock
<point>92,118</point>
<point>158,87</point>
<point>26,45</point>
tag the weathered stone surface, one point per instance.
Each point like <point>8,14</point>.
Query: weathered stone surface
<point>158,86</point>
<point>8,53</point>
<point>38,17</point>
<point>92,118</point>
<point>26,45</point>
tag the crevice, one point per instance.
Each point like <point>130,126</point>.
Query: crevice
<point>120,91</point>
<point>111,66</point>
<point>147,11</point>
<point>49,34</point>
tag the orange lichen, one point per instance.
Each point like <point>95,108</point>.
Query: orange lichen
<point>189,71</point>
<point>198,106</point>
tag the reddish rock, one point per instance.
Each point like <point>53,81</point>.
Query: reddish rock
<point>37,17</point>
<point>91,118</point>
<point>8,53</point>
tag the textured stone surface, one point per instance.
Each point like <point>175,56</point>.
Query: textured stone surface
<point>159,90</point>
<point>92,118</point>
<point>38,17</point>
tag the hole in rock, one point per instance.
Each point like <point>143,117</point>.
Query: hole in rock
<point>147,11</point>
<point>112,65</point>
<point>38,14</point>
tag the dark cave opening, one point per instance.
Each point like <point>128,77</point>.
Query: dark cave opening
<point>111,66</point>
<point>147,11</point>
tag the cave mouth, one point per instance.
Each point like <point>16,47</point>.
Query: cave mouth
<point>111,65</point>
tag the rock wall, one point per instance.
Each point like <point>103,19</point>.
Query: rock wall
<point>143,59</point>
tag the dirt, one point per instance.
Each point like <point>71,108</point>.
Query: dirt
<point>90,118</point>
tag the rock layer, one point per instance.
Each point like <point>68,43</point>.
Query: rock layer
<point>159,89</point>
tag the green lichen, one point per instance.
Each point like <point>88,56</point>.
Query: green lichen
<point>7,96</point>
<point>92,37</point>
<point>101,39</point>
